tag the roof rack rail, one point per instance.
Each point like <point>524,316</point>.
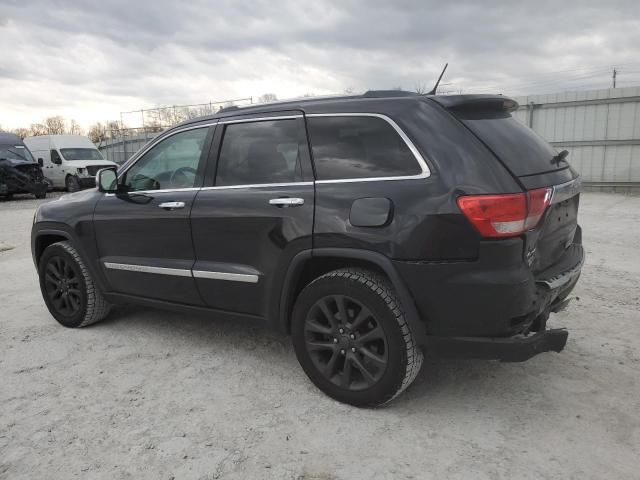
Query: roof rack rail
<point>230,108</point>
<point>387,93</point>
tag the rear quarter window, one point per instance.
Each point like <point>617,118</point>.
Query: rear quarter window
<point>351,147</point>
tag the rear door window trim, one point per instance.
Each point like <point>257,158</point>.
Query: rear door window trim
<point>308,179</point>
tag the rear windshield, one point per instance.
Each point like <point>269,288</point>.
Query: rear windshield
<point>521,149</point>
<point>81,154</point>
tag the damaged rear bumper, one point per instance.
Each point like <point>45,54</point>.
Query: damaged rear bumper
<point>511,349</point>
<point>553,289</point>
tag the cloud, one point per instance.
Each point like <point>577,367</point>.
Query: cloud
<point>90,60</point>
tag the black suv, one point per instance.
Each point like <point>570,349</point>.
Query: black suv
<point>19,172</point>
<point>371,228</point>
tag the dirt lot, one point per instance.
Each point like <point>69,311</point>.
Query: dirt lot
<point>150,394</point>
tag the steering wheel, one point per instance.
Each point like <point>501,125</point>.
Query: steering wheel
<point>179,179</point>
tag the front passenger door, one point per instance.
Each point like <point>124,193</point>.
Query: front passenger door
<point>143,234</point>
<point>56,174</point>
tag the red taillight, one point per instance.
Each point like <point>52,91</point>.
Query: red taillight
<point>505,215</point>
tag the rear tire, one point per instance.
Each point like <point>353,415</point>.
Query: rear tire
<point>72,184</point>
<point>352,340</point>
<point>68,289</point>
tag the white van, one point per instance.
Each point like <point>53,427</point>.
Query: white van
<point>68,161</point>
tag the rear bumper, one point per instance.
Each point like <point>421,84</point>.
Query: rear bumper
<point>494,307</point>
<point>511,349</point>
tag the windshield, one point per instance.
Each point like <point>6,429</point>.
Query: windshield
<point>15,152</point>
<point>81,154</point>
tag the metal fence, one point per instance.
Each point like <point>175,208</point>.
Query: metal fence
<point>121,143</point>
<point>599,128</point>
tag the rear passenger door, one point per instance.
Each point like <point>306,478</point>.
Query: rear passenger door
<point>256,213</point>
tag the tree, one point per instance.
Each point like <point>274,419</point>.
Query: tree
<point>55,125</point>
<point>114,129</point>
<point>21,132</point>
<point>97,133</point>
<point>75,128</point>
<point>267,98</point>
<point>38,129</point>
<point>421,89</point>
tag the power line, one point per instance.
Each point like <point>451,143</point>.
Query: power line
<point>569,81</point>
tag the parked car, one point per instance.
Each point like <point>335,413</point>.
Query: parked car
<point>69,161</point>
<point>371,228</point>
<point>19,172</point>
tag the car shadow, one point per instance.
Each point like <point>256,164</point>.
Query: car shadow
<point>441,382</point>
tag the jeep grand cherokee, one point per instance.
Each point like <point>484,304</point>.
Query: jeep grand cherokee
<point>371,228</point>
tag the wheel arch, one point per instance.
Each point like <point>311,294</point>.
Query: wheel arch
<point>45,235</point>
<point>43,239</point>
<point>310,264</point>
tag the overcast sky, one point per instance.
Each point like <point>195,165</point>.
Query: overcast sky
<point>89,60</point>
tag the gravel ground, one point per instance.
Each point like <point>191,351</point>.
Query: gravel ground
<point>151,394</point>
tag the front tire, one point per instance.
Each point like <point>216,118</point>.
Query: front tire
<point>68,289</point>
<point>72,184</point>
<point>352,340</point>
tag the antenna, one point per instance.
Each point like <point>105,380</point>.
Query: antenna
<point>435,87</point>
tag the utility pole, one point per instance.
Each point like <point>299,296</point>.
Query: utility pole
<point>615,73</point>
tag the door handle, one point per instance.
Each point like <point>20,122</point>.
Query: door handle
<point>286,202</point>
<point>171,205</point>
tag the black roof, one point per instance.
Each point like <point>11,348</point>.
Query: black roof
<point>372,101</point>
<point>308,104</point>
<point>9,138</point>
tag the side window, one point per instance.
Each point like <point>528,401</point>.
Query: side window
<point>55,157</point>
<point>172,163</point>
<point>259,152</point>
<point>358,147</point>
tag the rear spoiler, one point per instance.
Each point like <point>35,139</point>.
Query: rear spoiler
<point>476,103</point>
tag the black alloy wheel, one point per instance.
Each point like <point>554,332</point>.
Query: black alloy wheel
<point>346,342</point>
<point>68,289</point>
<point>62,285</point>
<point>352,339</point>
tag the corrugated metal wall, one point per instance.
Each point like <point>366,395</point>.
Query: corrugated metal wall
<point>600,128</point>
<point>128,142</point>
